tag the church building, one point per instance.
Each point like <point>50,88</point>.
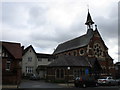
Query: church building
<point>89,45</point>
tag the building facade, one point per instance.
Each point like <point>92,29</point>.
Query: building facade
<point>65,68</point>
<point>90,44</point>
<point>43,60</point>
<point>11,63</point>
<point>29,62</point>
<point>117,69</point>
<point>35,63</point>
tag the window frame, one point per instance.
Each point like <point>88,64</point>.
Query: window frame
<point>8,65</point>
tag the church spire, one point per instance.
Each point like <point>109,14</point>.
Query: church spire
<point>89,21</point>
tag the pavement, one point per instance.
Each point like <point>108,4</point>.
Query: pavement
<point>9,86</point>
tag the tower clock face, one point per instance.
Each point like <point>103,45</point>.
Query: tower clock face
<point>97,50</point>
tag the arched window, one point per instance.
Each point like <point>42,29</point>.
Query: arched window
<point>57,73</point>
<point>81,51</point>
<point>60,73</point>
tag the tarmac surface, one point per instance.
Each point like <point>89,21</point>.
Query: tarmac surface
<point>42,84</point>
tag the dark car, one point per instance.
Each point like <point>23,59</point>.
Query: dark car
<point>85,81</point>
<point>34,77</point>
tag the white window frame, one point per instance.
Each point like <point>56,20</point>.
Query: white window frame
<point>29,69</point>
<point>8,67</point>
<point>29,59</point>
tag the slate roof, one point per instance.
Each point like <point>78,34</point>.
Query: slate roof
<point>40,55</point>
<point>13,48</point>
<point>75,43</point>
<point>66,60</point>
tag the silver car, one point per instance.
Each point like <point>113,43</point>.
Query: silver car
<point>108,80</point>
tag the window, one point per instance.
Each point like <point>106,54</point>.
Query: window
<point>60,73</point>
<point>29,69</point>
<point>77,72</point>
<point>30,50</point>
<point>97,50</point>
<point>29,59</point>
<point>49,60</point>
<point>69,54</point>
<point>3,54</point>
<point>39,59</point>
<point>8,65</point>
<point>81,52</point>
<point>57,73</point>
<point>75,53</point>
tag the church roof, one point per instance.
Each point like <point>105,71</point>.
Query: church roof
<point>74,43</point>
<point>66,60</point>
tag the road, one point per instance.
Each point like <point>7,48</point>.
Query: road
<point>43,84</point>
<point>39,84</point>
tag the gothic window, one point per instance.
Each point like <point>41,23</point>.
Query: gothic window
<point>59,73</point>
<point>75,53</point>
<point>69,53</point>
<point>97,50</point>
<point>62,73</point>
<point>81,52</point>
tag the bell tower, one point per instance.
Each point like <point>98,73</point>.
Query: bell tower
<point>89,21</point>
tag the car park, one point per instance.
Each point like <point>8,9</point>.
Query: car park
<point>85,82</point>
<point>107,80</point>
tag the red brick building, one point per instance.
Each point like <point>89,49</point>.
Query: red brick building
<point>90,44</point>
<point>11,62</point>
<point>66,68</point>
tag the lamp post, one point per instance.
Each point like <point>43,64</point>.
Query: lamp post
<point>68,68</point>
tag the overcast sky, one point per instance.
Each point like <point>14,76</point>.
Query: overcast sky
<point>47,23</point>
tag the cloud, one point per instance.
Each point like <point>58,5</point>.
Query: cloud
<point>49,23</point>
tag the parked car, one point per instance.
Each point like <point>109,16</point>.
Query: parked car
<point>107,80</point>
<point>34,77</point>
<point>85,81</point>
<point>118,81</point>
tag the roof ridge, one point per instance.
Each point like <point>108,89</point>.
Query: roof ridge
<point>10,42</point>
<point>27,48</point>
<point>73,39</point>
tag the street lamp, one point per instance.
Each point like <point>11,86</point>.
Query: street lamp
<point>68,73</point>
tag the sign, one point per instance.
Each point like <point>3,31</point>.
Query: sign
<point>86,71</point>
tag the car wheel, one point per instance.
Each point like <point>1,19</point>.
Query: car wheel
<point>96,84</point>
<point>76,85</point>
<point>84,85</point>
